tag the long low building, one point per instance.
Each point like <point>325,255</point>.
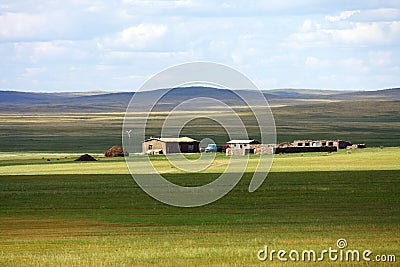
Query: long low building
<point>245,147</point>
<point>170,145</point>
<point>339,144</point>
<point>304,146</point>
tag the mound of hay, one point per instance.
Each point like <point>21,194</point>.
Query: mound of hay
<point>85,157</point>
<point>116,151</point>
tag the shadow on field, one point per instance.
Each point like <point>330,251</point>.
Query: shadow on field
<point>76,219</point>
<point>331,197</point>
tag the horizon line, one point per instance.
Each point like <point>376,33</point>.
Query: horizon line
<point>236,89</point>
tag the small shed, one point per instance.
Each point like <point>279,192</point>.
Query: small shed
<point>242,147</point>
<point>170,145</point>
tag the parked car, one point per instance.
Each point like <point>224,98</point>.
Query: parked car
<point>211,148</point>
<point>222,148</point>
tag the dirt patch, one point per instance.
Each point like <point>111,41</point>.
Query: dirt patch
<point>116,151</point>
<point>24,228</point>
<point>85,157</point>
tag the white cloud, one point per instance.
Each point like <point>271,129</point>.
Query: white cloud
<point>142,34</point>
<point>38,51</point>
<point>308,25</point>
<point>367,33</point>
<point>165,8</point>
<point>343,15</point>
<point>135,37</point>
<point>17,26</point>
<point>353,27</point>
<point>379,14</point>
<point>140,37</point>
<point>127,57</point>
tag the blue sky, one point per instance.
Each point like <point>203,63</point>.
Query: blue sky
<point>55,46</point>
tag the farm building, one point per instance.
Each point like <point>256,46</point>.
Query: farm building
<point>170,145</point>
<point>300,146</point>
<point>339,144</point>
<point>241,147</point>
<point>245,147</point>
<point>357,146</point>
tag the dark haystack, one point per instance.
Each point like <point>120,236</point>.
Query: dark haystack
<point>85,157</point>
<point>116,151</point>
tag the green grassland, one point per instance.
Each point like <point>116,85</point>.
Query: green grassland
<point>376,123</point>
<point>55,211</point>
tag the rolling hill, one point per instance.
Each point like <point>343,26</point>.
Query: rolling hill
<point>19,101</point>
<point>74,122</point>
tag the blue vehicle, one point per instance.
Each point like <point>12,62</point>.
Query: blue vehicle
<point>211,148</point>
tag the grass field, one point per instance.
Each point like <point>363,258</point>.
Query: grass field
<point>55,211</point>
<point>376,123</point>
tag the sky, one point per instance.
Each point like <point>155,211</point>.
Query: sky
<point>79,45</point>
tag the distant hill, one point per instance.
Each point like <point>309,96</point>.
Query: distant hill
<point>98,101</point>
<point>26,97</point>
<point>302,93</point>
<point>385,94</point>
<point>92,122</point>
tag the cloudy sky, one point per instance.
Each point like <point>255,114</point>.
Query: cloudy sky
<point>79,45</point>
